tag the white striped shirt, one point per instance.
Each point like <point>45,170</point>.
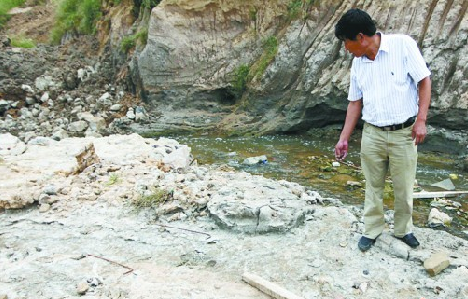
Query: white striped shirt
<point>388,85</point>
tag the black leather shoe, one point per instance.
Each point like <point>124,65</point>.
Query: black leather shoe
<point>410,240</point>
<point>365,243</point>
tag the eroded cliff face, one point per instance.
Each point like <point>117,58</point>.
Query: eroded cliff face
<point>195,48</point>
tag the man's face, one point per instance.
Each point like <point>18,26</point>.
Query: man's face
<point>355,46</point>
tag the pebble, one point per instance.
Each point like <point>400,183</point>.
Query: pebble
<point>82,288</point>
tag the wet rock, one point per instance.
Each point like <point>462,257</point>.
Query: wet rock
<point>255,160</point>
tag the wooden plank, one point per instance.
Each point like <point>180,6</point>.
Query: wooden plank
<point>267,287</point>
<point>438,194</point>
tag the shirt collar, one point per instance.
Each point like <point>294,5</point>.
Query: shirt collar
<point>383,46</point>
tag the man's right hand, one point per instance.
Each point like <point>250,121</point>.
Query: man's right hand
<point>341,150</point>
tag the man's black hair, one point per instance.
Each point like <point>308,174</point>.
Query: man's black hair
<point>353,22</point>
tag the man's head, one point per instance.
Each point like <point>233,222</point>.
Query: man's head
<point>356,28</point>
<point>354,22</point>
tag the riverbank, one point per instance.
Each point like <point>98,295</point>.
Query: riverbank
<point>80,230</point>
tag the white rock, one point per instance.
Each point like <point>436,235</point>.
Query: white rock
<point>436,217</point>
<point>11,145</point>
<point>45,97</point>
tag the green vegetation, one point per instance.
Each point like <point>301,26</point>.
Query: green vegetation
<point>76,16</point>
<point>241,78</point>
<point>270,48</point>
<point>299,9</point>
<point>131,41</point>
<point>244,73</point>
<point>142,36</point>
<point>22,42</point>
<point>150,3</point>
<point>5,6</point>
<point>128,42</point>
<point>155,198</point>
<point>113,179</point>
<point>294,9</point>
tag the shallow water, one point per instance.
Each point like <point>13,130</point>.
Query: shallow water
<point>307,160</point>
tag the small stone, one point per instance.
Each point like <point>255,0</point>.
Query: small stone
<point>336,164</point>
<point>82,288</point>
<point>44,208</point>
<point>343,244</point>
<point>453,176</point>
<point>436,263</point>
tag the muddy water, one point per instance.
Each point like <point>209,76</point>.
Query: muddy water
<point>308,160</point>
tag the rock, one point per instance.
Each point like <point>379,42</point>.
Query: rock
<point>44,82</point>
<point>11,145</point>
<point>437,218</point>
<point>446,184</point>
<point>6,41</point>
<point>179,158</point>
<point>43,208</point>
<point>140,114</point>
<point>82,288</point>
<point>44,97</point>
<point>436,263</point>
<point>27,88</point>
<point>336,164</point>
<point>130,113</point>
<point>30,101</point>
<point>115,107</point>
<point>453,176</point>
<point>78,126</point>
<point>255,160</point>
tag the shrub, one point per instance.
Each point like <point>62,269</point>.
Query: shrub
<point>22,42</point>
<point>128,42</point>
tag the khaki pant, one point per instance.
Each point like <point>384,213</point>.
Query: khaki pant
<point>383,151</point>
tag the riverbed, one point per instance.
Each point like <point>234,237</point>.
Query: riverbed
<point>308,160</point>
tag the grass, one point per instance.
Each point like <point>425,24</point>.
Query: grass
<point>22,42</point>
<point>128,42</point>
<point>270,48</point>
<point>299,9</point>
<point>154,199</point>
<point>113,179</point>
<point>76,16</point>
<point>131,41</point>
<point>5,6</point>
<point>241,78</point>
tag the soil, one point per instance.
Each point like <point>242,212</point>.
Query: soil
<point>34,22</point>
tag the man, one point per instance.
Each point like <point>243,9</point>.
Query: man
<point>390,85</point>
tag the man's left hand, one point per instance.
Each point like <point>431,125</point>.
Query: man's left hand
<point>419,131</point>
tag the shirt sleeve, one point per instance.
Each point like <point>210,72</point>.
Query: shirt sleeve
<point>417,67</point>
<point>354,93</point>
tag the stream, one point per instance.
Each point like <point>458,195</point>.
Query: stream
<point>307,160</point>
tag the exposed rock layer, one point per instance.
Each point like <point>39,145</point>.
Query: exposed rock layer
<point>195,47</point>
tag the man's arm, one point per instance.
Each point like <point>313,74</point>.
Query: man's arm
<point>352,116</point>
<point>419,128</point>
